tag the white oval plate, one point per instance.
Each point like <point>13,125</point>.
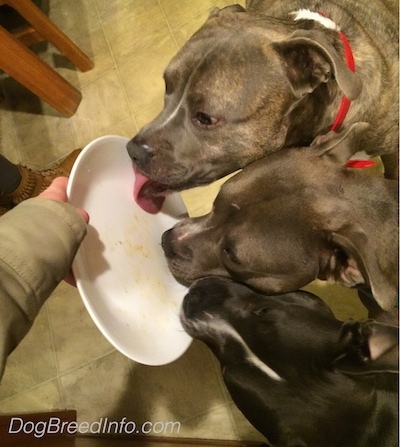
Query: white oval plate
<point>120,268</point>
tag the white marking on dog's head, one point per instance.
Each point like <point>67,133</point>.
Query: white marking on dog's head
<point>174,112</point>
<point>306,14</point>
<point>220,329</point>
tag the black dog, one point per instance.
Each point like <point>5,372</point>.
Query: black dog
<point>299,375</point>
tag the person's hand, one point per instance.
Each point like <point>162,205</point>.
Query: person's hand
<point>58,191</point>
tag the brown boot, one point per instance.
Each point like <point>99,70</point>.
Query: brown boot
<point>33,182</point>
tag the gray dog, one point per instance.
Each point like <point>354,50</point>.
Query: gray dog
<point>295,216</point>
<point>249,83</point>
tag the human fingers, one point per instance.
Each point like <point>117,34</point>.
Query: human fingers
<point>57,190</point>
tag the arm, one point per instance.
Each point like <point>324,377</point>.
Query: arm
<point>38,241</point>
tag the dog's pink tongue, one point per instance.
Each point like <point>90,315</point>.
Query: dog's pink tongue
<point>149,203</point>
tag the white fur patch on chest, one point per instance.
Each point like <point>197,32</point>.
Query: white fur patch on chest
<point>306,14</point>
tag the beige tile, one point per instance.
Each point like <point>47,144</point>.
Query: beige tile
<point>103,105</point>
<point>36,139</point>
<point>163,391</point>
<point>107,8</point>
<point>134,27</point>
<point>51,139</point>
<point>147,115</point>
<point>224,3</point>
<point>376,171</point>
<point>199,201</point>
<point>76,338</point>
<point>103,388</point>
<point>9,144</point>
<point>63,287</point>
<point>86,31</point>
<point>243,427</point>
<point>344,302</point>
<point>216,423</point>
<point>181,11</point>
<point>45,397</point>
<point>6,115</point>
<point>127,128</point>
<point>23,104</point>
<point>96,47</point>
<point>142,73</point>
<point>32,362</point>
<point>75,18</point>
<point>184,29</point>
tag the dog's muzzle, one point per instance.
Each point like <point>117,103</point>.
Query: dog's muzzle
<point>172,248</point>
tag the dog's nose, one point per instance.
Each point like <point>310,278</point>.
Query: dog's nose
<point>166,243</point>
<point>140,152</point>
<point>172,247</point>
<point>206,297</point>
<point>191,304</point>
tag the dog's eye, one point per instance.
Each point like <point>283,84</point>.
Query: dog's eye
<point>205,121</point>
<point>230,255</point>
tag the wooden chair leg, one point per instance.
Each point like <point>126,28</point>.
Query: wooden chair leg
<point>29,70</point>
<point>51,33</point>
<point>28,36</point>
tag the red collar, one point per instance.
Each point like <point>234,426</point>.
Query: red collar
<point>345,105</point>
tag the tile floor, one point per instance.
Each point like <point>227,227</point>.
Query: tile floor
<point>64,362</point>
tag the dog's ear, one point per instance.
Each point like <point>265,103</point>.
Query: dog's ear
<point>357,263</point>
<point>340,146</point>
<point>231,8</point>
<point>311,60</point>
<point>366,347</point>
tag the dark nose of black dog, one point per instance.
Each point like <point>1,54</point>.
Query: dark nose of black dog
<point>139,151</point>
<point>191,304</point>
<point>206,295</point>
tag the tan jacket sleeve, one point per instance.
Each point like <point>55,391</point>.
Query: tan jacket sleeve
<point>38,241</point>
